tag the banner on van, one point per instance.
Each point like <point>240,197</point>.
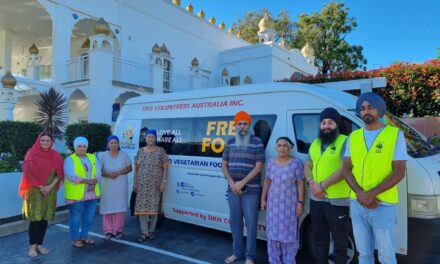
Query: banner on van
<point>129,133</point>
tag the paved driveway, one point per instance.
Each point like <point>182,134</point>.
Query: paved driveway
<point>177,242</point>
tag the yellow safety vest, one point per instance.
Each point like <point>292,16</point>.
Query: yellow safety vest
<point>76,191</point>
<point>371,167</point>
<point>327,163</point>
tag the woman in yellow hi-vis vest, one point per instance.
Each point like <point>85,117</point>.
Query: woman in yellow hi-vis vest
<point>81,190</point>
<point>374,163</point>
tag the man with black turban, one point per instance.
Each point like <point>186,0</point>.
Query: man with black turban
<point>374,163</point>
<point>328,190</point>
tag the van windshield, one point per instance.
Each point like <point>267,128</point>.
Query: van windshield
<point>417,144</point>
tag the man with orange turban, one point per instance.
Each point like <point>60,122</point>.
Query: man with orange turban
<point>243,160</point>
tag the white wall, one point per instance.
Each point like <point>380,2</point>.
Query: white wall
<point>25,109</point>
<point>11,203</point>
<point>142,23</point>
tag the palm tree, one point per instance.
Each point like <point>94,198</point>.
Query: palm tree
<point>51,108</point>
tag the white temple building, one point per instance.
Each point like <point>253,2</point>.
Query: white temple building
<point>100,53</point>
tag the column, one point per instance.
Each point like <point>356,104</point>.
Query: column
<point>100,91</point>
<point>5,50</point>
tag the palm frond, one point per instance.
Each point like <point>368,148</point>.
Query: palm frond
<point>51,111</point>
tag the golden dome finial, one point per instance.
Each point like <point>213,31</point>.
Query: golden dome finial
<point>165,50</point>
<point>195,62</point>
<point>156,48</point>
<point>212,20</point>
<point>33,49</point>
<point>307,50</point>
<point>239,34</point>
<point>231,30</point>
<point>8,81</point>
<point>201,14</point>
<point>283,44</point>
<point>101,27</point>
<point>222,25</point>
<point>225,72</point>
<point>266,23</point>
<point>177,2</point>
<point>190,8</point>
<point>86,44</point>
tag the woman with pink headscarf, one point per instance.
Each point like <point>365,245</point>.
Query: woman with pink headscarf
<point>42,174</point>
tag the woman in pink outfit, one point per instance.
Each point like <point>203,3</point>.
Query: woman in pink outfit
<point>283,199</point>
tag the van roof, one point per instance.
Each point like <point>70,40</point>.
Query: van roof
<point>336,97</point>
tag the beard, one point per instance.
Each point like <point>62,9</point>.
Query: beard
<point>368,119</point>
<point>328,136</point>
<point>242,138</point>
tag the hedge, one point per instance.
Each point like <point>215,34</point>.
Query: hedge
<point>16,138</point>
<point>96,134</point>
<point>412,89</point>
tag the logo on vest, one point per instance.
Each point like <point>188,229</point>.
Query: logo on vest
<point>332,149</point>
<point>379,147</point>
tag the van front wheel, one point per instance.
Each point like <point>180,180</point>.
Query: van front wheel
<point>351,250</point>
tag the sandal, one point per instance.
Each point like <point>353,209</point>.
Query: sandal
<point>119,235</point>
<point>108,236</point>
<point>42,250</point>
<point>231,259</point>
<point>88,241</point>
<point>77,243</point>
<point>143,237</point>
<point>32,252</point>
<point>151,236</point>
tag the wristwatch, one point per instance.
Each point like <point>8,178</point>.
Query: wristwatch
<point>301,202</point>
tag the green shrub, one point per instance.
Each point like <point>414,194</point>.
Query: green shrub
<point>435,140</point>
<point>95,133</point>
<point>18,137</point>
<point>8,162</point>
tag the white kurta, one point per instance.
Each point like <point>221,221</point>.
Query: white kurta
<point>114,192</point>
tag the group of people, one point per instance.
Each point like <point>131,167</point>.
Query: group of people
<point>354,176</point>
<point>347,176</point>
<point>86,179</point>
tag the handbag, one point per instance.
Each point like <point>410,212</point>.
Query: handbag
<point>132,202</point>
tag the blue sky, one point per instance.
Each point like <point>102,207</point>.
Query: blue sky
<point>389,30</point>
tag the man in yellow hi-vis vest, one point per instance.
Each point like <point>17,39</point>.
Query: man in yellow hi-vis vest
<point>329,191</point>
<point>374,163</point>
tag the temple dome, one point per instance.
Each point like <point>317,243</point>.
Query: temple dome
<point>8,81</point>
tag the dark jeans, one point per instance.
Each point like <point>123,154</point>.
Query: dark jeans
<point>326,219</point>
<point>37,231</point>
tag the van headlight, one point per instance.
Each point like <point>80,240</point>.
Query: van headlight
<point>424,206</point>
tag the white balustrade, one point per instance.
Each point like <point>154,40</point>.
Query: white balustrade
<point>174,82</point>
<point>131,72</point>
<point>78,69</point>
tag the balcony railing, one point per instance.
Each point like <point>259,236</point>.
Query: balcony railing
<point>39,73</point>
<point>132,73</point>
<point>174,82</point>
<point>45,73</point>
<point>78,69</point>
<point>142,75</point>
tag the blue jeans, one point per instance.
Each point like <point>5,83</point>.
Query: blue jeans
<point>245,205</point>
<point>81,216</point>
<point>375,228</point>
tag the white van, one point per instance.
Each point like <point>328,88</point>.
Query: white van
<point>194,126</point>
